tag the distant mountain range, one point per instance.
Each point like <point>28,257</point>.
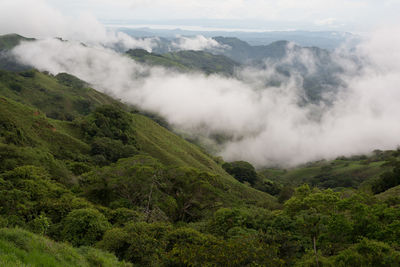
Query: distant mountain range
<point>324,39</point>
<point>317,67</point>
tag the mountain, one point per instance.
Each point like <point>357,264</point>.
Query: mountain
<point>187,61</point>
<point>21,248</point>
<point>7,42</point>
<point>353,172</point>
<point>86,180</point>
<point>329,40</point>
<point>317,67</point>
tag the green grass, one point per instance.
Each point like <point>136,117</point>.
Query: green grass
<point>391,193</point>
<point>187,61</point>
<point>356,173</point>
<point>9,41</point>
<point>172,150</point>
<point>52,95</point>
<point>21,248</point>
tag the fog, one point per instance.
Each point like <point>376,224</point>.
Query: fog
<point>35,18</point>
<point>196,43</point>
<point>263,124</point>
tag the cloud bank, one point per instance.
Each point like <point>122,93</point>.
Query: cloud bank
<point>265,123</point>
<point>196,43</point>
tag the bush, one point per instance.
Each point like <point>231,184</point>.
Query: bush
<point>111,150</point>
<point>368,253</point>
<point>242,171</point>
<point>84,227</point>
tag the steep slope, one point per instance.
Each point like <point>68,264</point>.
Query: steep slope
<point>355,172</point>
<point>22,248</point>
<point>187,61</point>
<point>7,42</point>
<point>27,127</point>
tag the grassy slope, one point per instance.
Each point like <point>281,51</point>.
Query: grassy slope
<point>332,174</point>
<point>52,95</point>
<point>172,150</point>
<point>187,61</point>
<point>22,248</point>
<point>393,192</point>
<point>45,93</point>
<point>9,41</point>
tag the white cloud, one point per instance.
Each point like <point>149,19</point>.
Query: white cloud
<point>196,43</point>
<point>328,21</point>
<point>34,18</point>
<point>267,124</point>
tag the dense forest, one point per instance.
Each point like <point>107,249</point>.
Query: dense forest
<point>86,180</point>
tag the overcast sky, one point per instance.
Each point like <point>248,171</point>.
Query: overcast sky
<point>345,15</point>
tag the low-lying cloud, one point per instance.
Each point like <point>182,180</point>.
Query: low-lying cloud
<point>196,43</point>
<point>266,124</point>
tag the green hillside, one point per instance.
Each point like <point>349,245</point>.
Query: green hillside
<point>7,61</point>
<point>21,248</point>
<point>88,181</point>
<point>9,41</point>
<point>187,61</point>
<point>353,172</point>
<point>65,98</point>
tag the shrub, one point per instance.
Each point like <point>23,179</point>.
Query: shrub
<point>242,171</point>
<point>84,227</point>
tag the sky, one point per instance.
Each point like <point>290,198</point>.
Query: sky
<point>342,15</point>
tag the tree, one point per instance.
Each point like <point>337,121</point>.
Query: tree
<point>84,227</point>
<point>242,171</point>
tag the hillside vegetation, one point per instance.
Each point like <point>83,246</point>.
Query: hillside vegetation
<point>86,180</point>
<point>187,61</point>
<point>21,248</point>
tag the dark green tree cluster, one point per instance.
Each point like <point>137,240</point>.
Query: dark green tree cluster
<point>387,180</point>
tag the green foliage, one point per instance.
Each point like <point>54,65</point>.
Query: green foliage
<point>29,196</point>
<point>354,172</point>
<point>243,251</point>
<point>40,224</point>
<point>242,171</point>
<point>387,180</point>
<point>140,243</point>
<point>21,248</point>
<point>106,150</point>
<point>184,194</point>
<point>70,81</point>
<point>368,253</point>
<point>187,61</point>
<point>84,227</point>
<point>9,41</point>
<point>226,219</point>
<point>119,181</point>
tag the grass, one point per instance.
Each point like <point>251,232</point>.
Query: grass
<point>187,61</point>
<point>21,248</point>
<point>51,95</point>
<point>173,150</point>
<point>391,193</point>
<point>356,173</point>
<point>9,41</point>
